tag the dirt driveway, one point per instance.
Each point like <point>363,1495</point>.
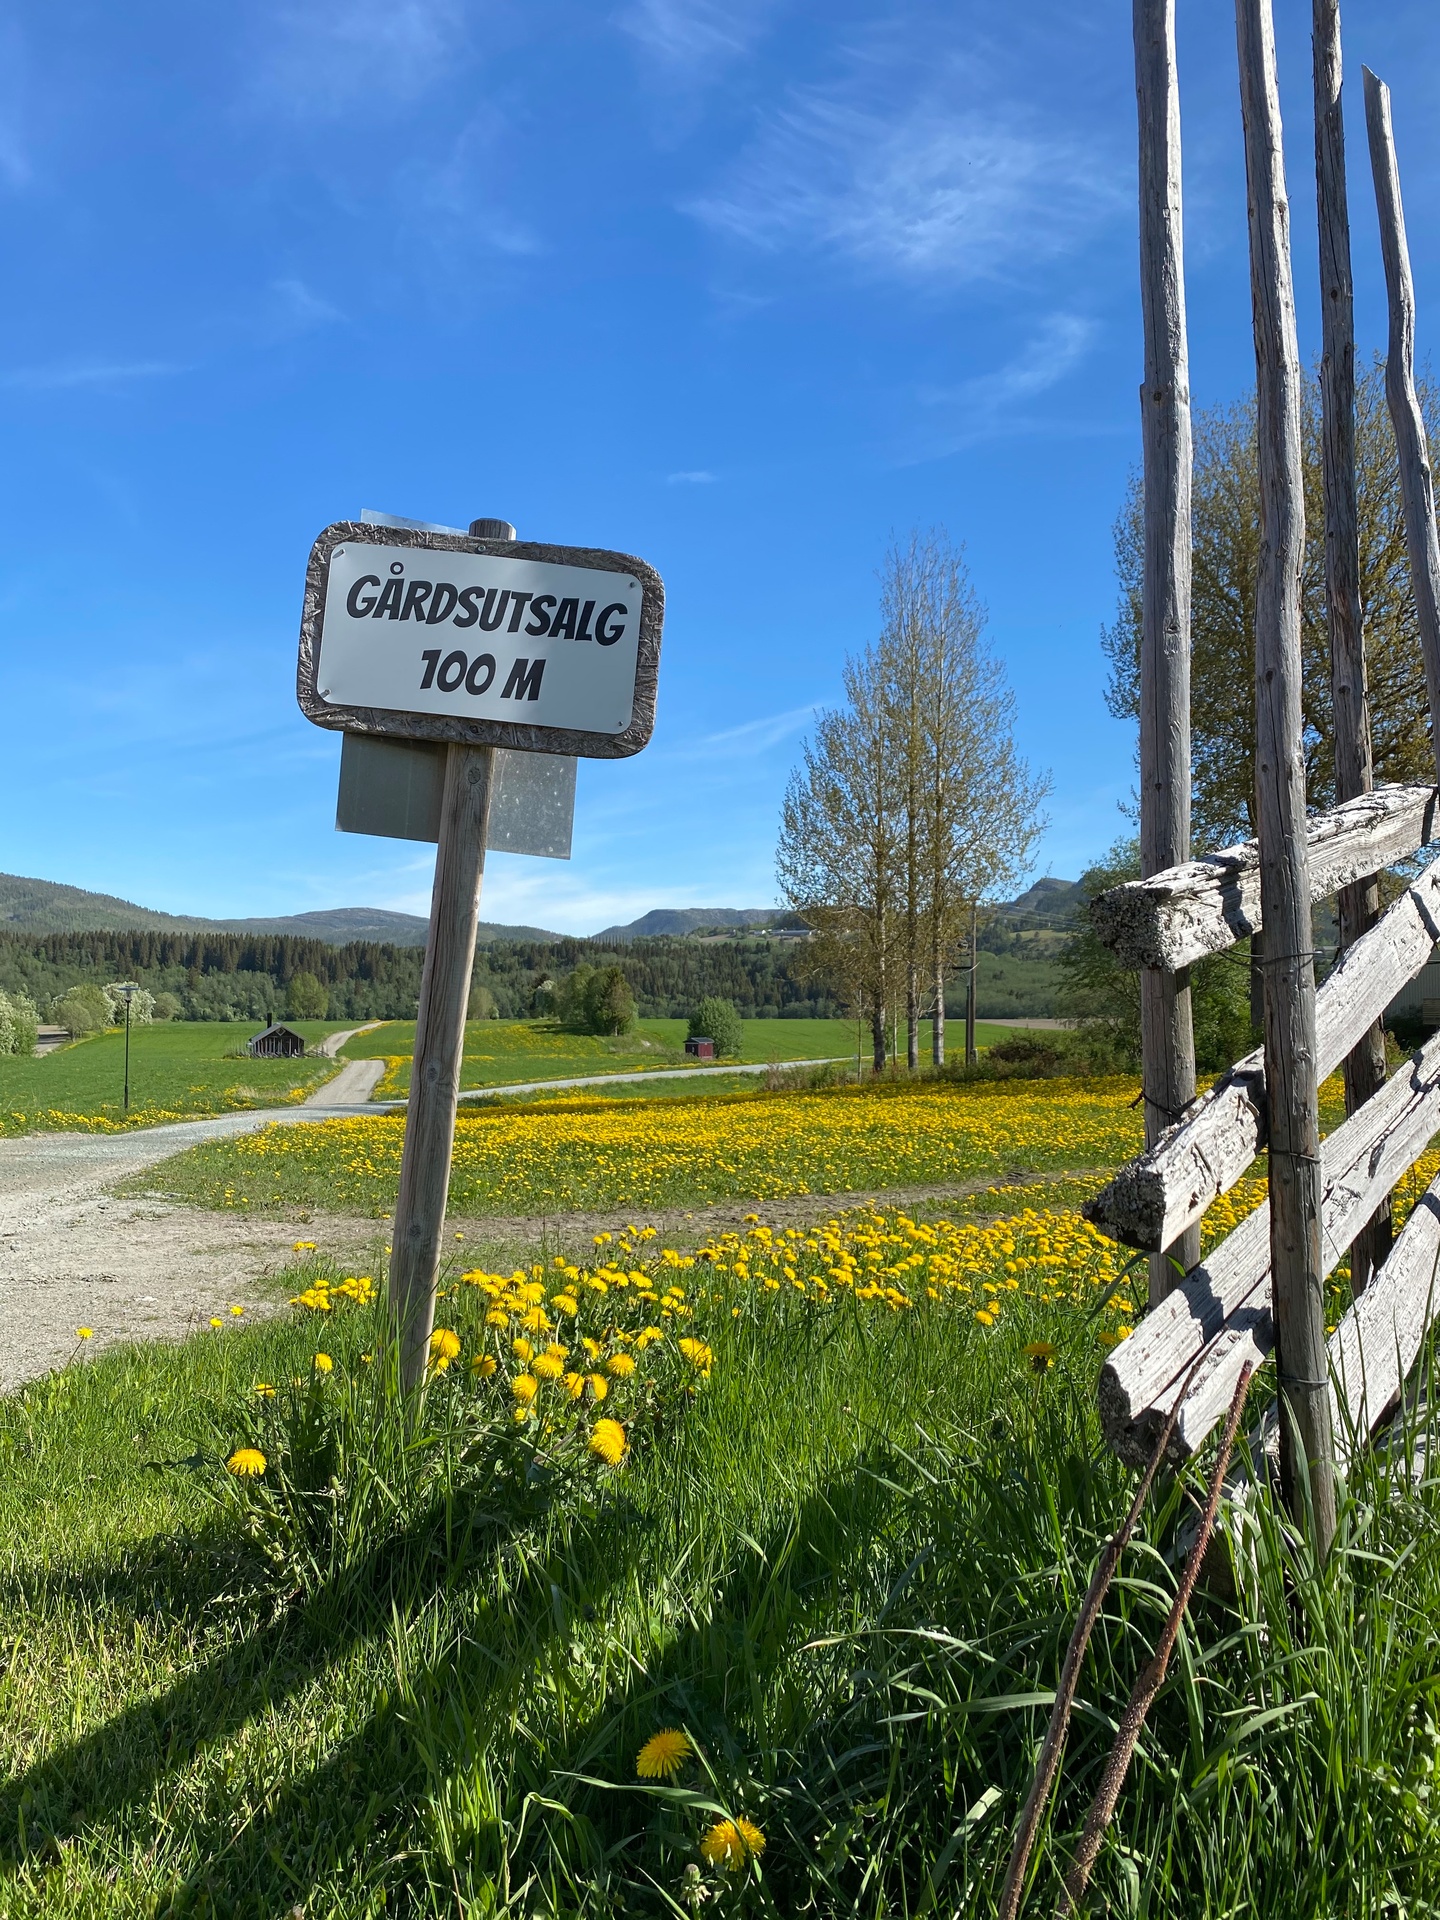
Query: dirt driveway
<point>72,1254</point>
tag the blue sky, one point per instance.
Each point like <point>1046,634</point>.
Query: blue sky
<point>744,288</point>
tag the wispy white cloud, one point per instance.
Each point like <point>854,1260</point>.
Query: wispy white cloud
<point>456,199</point>
<point>87,373</point>
<point>695,36</point>
<point>941,186</point>
<point>993,402</point>
<point>296,308</point>
<point>755,736</point>
<point>323,58</point>
<point>696,478</point>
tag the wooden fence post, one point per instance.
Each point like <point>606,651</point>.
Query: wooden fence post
<point>1417,486</point>
<point>440,1042</point>
<point>1167,1035</point>
<point>1307,1443</point>
<point>1354,762</point>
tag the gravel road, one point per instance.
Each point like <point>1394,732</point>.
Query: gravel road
<point>72,1254</point>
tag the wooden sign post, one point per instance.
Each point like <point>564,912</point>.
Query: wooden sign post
<point>479,641</point>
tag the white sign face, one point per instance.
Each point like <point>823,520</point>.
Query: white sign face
<point>479,637</point>
<point>419,634</point>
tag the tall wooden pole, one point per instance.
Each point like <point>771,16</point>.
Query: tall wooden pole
<point>1354,761</point>
<point>1306,1442</point>
<point>1167,1036</point>
<point>440,1042</point>
<point>972,1053</point>
<point>1417,486</point>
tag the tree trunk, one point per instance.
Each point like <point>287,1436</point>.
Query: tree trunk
<point>1167,1039</point>
<point>912,1018</point>
<point>937,1032</point>
<point>971,1053</point>
<point>1307,1448</point>
<point>1354,762</point>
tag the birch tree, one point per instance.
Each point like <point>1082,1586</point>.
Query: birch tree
<point>913,804</point>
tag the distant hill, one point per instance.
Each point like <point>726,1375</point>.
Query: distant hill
<point>1049,901</point>
<point>683,920</point>
<point>47,906</point>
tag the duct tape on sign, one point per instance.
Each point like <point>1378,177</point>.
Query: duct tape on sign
<point>438,636</point>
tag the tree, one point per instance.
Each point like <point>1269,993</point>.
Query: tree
<point>609,1003</point>
<point>306,998</point>
<point>1226,532</point>
<point>912,803</point>
<point>80,1010</point>
<point>167,1006</point>
<point>717,1020</point>
<point>839,856</point>
<point>18,1024</point>
<point>482,1003</point>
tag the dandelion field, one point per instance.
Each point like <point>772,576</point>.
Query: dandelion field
<point>730,1580</point>
<point>581,1153</point>
<point>178,1070</point>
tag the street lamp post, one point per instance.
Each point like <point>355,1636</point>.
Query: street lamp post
<point>129,988</point>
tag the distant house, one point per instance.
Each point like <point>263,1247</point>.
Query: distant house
<point>277,1043</point>
<point>700,1049</point>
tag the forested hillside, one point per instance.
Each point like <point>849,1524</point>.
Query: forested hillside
<point>219,976</point>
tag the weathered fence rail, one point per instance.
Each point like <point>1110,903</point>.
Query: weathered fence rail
<point>1226,1299</point>
<point>1153,1199</point>
<point>1177,917</point>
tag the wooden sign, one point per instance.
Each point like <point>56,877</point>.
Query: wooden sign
<point>445,637</point>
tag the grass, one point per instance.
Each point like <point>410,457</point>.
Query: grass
<point>506,1052</point>
<point>178,1069</point>
<point>575,1153</point>
<point>845,1567</point>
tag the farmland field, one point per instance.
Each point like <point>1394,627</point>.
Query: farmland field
<point>504,1052</point>
<point>578,1153</point>
<point>178,1070</point>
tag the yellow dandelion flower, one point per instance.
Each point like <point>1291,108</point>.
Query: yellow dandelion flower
<point>546,1367</point>
<point>84,1333</point>
<point>323,1363</point>
<point>599,1386</point>
<point>246,1463</point>
<point>522,1349</point>
<point>608,1442</point>
<point>444,1347</point>
<point>520,1415</point>
<point>574,1385</point>
<point>264,1389</point>
<point>1041,1356</point>
<point>237,1311</point>
<point>216,1323</point>
<point>730,1843</point>
<point>620,1364</point>
<point>484,1364</point>
<point>697,1353</point>
<point>663,1754</point>
<point>524,1387</point>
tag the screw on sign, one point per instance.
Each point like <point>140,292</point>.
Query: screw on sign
<point>475,641</point>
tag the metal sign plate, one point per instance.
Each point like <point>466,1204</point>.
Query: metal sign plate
<point>438,636</point>
<point>392,788</point>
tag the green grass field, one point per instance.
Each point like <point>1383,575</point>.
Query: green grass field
<point>509,1052</point>
<point>177,1069</point>
<point>410,1669</point>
